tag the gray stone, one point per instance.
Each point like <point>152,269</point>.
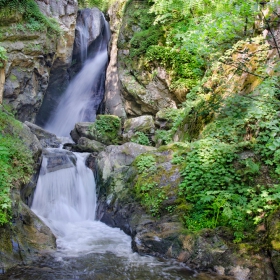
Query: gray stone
<point>143,124</point>
<point>113,101</point>
<point>87,145</point>
<point>47,139</point>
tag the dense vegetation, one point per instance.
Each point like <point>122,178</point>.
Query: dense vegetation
<point>27,15</point>
<point>230,169</point>
<point>230,164</point>
<point>15,162</point>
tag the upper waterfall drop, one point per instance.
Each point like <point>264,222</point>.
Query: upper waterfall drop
<point>82,98</point>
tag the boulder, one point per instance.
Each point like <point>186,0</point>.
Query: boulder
<point>87,145</point>
<point>273,224</point>
<point>143,98</point>
<point>47,139</point>
<point>143,124</point>
<point>106,130</point>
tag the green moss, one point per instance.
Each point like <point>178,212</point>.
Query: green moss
<point>13,78</point>
<point>27,15</point>
<point>106,129</point>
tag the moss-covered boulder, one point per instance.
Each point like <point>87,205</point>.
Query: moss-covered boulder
<point>273,224</point>
<point>134,128</point>
<point>106,130</point>
<point>87,145</point>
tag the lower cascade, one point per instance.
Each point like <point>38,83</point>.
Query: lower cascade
<point>65,199</point>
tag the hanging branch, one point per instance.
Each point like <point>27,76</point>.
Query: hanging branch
<point>271,32</point>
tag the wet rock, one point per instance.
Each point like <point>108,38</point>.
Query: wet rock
<point>57,159</point>
<point>47,139</point>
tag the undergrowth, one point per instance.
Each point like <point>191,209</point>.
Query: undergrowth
<point>30,17</point>
<point>15,163</point>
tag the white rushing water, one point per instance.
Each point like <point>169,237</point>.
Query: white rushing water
<point>84,94</point>
<point>66,200</point>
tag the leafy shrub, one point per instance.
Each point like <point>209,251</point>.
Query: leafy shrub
<point>31,14</point>
<point>106,128</point>
<point>142,40</point>
<point>141,138</point>
<point>15,163</point>
<point>145,163</point>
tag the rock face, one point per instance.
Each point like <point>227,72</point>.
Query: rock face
<point>113,100</point>
<point>31,56</point>
<point>132,89</point>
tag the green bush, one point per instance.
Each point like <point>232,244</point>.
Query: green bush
<point>141,138</point>
<point>32,16</point>
<point>15,163</point>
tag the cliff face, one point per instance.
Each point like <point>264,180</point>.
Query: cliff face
<point>134,87</point>
<point>33,54</point>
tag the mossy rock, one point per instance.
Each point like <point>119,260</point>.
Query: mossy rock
<point>273,225</point>
<point>106,129</point>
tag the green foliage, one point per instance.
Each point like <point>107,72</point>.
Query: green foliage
<point>102,5</point>
<point>141,138</point>
<point>221,187</point>
<point>151,197</point>
<point>33,19</point>
<point>204,27</point>
<point>106,128</point>
<point>147,191</point>
<point>15,163</point>
<point>163,137</point>
<point>3,56</point>
<point>184,66</point>
<point>142,40</point>
<point>145,163</point>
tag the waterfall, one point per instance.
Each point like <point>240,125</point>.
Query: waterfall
<point>65,190</point>
<point>65,199</point>
<point>82,98</point>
